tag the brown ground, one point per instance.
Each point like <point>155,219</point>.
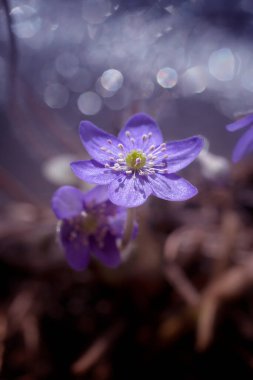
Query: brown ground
<point>180,306</point>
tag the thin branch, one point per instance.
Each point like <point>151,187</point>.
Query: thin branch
<point>13,49</point>
<point>97,350</point>
<point>129,226</point>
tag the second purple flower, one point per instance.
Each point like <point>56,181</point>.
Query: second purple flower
<point>245,143</point>
<point>137,163</point>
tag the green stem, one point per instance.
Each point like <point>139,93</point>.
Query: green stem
<point>128,228</point>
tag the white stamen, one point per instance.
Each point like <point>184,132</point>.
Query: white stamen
<point>162,171</point>
<point>154,159</point>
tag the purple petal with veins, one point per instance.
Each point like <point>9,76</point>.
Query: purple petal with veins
<point>181,153</point>
<point>172,188</point>
<point>245,143</point>
<point>67,202</point>
<point>108,252</point>
<point>241,123</point>
<point>129,191</point>
<point>140,132</point>
<point>76,245</point>
<point>93,172</point>
<point>99,144</point>
<point>243,146</point>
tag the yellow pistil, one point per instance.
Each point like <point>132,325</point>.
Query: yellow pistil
<point>135,160</point>
<point>89,224</point>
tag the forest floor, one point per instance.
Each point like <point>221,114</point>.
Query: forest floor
<point>181,304</point>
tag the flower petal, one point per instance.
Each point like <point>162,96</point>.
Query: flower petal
<point>93,172</point>
<point>172,187</point>
<point>108,253</point>
<point>181,153</point>
<point>99,144</point>
<point>243,146</point>
<point>117,221</point>
<point>138,126</point>
<point>96,195</point>
<point>76,246</point>
<point>129,191</point>
<point>241,123</point>
<point>67,202</point>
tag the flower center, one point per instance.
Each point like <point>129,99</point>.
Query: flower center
<point>135,160</point>
<point>89,223</point>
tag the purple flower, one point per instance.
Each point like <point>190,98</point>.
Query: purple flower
<point>90,225</point>
<point>137,163</point>
<point>245,143</point>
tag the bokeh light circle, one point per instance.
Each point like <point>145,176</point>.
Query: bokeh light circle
<point>67,64</point>
<point>89,103</point>
<point>221,64</point>
<point>194,80</point>
<point>112,80</point>
<point>26,22</point>
<point>167,77</point>
<point>56,95</point>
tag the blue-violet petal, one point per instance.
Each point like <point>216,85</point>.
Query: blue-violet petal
<point>108,253</point>
<point>243,146</point>
<point>129,191</point>
<point>93,172</point>
<point>241,123</point>
<point>76,246</point>
<point>140,131</point>
<point>67,202</point>
<point>181,153</point>
<point>98,143</point>
<point>172,187</point>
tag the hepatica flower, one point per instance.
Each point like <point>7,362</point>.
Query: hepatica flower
<point>137,163</point>
<point>90,225</point>
<point>245,143</point>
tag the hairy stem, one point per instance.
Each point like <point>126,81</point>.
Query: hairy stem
<point>128,228</point>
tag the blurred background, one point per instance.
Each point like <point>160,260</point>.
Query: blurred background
<point>182,300</point>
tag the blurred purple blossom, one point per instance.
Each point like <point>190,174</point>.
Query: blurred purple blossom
<point>90,225</point>
<point>137,163</point>
<point>245,143</point>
